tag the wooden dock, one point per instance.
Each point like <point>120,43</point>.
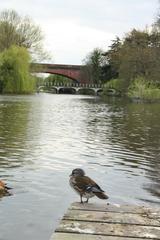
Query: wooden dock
<point>108,222</point>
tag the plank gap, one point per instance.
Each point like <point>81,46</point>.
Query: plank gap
<point>106,235</point>
<point>111,211</point>
<point>73,236</point>
<point>100,221</point>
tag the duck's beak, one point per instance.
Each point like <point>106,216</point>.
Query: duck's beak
<point>70,175</point>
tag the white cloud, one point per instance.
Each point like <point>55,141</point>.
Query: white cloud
<point>70,41</point>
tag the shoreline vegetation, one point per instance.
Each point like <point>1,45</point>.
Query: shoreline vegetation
<point>130,67</point>
<point>140,90</point>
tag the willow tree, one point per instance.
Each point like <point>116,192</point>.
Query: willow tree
<point>14,71</point>
<point>20,31</point>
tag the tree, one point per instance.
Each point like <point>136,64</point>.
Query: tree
<point>111,69</point>
<point>20,31</point>
<point>14,71</point>
<point>140,52</point>
<point>93,65</point>
<point>113,55</point>
<point>137,55</point>
<point>58,79</point>
<point>133,55</point>
<point>157,22</point>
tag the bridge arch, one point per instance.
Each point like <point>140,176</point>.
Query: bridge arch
<point>71,71</point>
<point>63,75</point>
<point>91,91</point>
<point>67,90</point>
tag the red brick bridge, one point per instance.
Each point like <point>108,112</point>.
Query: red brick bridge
<point>71,71</point>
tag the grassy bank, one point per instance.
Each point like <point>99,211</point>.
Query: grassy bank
<point>144,90</point>
<point>139,89</point>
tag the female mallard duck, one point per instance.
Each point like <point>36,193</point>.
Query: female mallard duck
<point>4,189</point>
<point>85,186</point>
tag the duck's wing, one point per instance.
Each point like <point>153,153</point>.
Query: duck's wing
<point>87,184</point>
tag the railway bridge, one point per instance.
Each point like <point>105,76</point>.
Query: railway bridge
<point>70,71</point>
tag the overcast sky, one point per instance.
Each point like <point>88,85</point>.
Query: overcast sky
<point>73,28</point>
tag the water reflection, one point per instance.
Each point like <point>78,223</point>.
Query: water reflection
<point>43,137</point>
<point>15,129</point>
<point>138,131</point>
<point>129,132</point>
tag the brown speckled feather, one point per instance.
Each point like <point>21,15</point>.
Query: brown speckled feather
<point>82,182</point>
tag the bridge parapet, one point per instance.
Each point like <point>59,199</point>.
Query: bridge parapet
<point>74,86</point>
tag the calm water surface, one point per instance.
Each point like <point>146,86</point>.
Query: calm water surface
<point>43,137</point>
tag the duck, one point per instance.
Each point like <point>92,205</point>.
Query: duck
<point>4,189</point>
<point>85,186</point>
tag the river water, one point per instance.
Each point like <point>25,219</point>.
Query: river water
<point>44,136</point>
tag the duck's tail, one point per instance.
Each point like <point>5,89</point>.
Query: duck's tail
<point>99,192</point>
<point>101,195</point>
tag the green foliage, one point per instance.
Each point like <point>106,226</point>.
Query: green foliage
<point>116,84</point>
<point>138,54</point>
<point>54,79</point>
<point>113,87</point>
<point>108,73</point>
<point>39,80</point>
<point>93,66</point>
<point>113,55</point>
<point>142,89</point>
<point>14,71</point>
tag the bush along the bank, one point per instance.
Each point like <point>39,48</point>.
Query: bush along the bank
<point>114,87</point>
<point>15,77</point>
<point>142,89</point>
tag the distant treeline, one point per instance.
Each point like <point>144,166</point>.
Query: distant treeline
<point>131,65</point>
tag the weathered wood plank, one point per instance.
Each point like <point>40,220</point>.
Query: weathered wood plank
<point>119,230</point>
<point>112,217</point>
<point>115,208</point>
<point>74,236</point>
<point>109,222</point>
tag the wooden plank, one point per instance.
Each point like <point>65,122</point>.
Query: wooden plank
<point>118,230</point>
<point>73,236</point>
<point>112,217</point>
<point>115,208</point>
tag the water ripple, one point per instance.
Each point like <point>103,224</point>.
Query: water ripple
<point>43,137</point>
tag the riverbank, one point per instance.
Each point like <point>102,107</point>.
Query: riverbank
<point>139,90</point>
